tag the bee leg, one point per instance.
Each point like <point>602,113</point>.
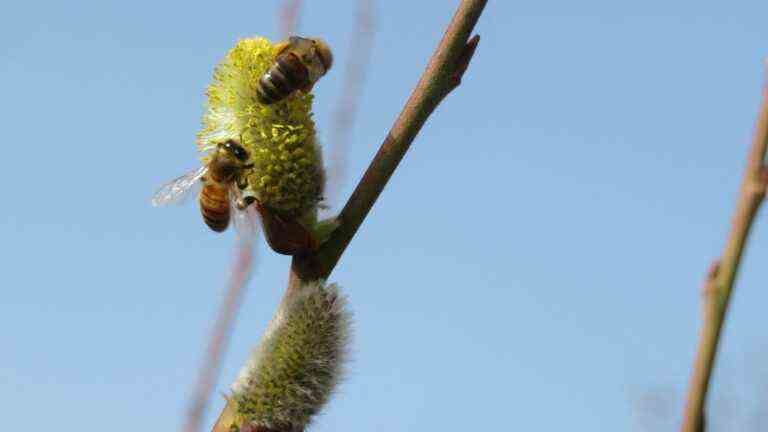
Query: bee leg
<point>306,88</point>
<point>244,202</point>
<point>242,183</point>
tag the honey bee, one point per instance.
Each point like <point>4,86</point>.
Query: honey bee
<point>220,194</point>
<point>299,63</point>
<point>221,200</point>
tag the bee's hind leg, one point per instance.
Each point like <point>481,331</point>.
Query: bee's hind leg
<point>245,201</point>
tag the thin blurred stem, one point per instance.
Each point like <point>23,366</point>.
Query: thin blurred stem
<point>209,371</point>
<point>718,286</point>
<point>361,44</point>
<point>219,338</point>
<point>442,75</point>
<point>289,17</point>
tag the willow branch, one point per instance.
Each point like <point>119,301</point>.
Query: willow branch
<point>718,286</point>
<point>442,75</point>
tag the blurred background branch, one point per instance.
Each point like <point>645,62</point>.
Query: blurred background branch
<point>739,401</point>
<point>718,286</point>
<point>360,48</point>
<point>217,342</point>
<point>290,11</point>
<point>240,274</point>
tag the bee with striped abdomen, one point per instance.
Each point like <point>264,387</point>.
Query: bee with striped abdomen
<point>298,64</point>
<point>221,179</point>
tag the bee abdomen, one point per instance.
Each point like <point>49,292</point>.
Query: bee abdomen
<point>282,78</point>
<point>214,206</point>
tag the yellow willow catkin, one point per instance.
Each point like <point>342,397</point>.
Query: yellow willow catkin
<point>295,368</point>
<point>287,174</point>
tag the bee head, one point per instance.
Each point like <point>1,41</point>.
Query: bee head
<point>323,52</point>
<point>235,149</point>
<point>230,157</point>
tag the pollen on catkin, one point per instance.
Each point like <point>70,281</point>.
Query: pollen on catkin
<point>295,368</point>
<point>287,174</point>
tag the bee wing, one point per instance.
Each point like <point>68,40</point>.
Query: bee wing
<point>245,220</point>
<point>176,189</point>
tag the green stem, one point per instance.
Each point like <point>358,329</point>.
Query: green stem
<point>719,284</point>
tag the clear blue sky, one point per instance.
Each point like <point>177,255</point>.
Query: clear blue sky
<point>534,264</point>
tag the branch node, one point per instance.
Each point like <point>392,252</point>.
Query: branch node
<point>762,176</point>
<point>710,283</point>
<point>758,183</point>
<point>462,62</point>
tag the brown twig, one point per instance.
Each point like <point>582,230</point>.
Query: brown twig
<point>720,281</point>
<point>361,44</point>
<point>289,17</point>
<point>219,338</point>
<point>442,75</point>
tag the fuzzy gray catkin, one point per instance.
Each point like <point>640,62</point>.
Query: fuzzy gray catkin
<point>293,371</point>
